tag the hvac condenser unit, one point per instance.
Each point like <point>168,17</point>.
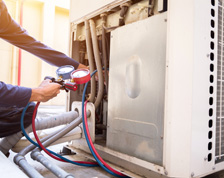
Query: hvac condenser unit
<point>165,107</point>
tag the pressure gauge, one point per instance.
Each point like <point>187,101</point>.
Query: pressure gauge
<point>64,72</point>
<point>80,76</point>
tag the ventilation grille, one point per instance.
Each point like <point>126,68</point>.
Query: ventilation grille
<point>219,151</point>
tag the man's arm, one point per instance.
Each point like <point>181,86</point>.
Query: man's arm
<point>16,35</point>
<point>11,95</point>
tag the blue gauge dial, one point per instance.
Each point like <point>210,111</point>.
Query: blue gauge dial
<point>64,72</point>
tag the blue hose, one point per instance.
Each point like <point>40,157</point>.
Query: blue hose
<point>37,145</point>
<point>84,128</point>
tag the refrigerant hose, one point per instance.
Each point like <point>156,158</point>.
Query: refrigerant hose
<point>97,157</point>
<point>53,153</point>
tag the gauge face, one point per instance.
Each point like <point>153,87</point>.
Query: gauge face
<point>81,76</point>
<point>64,72</point>
<point>65,69</point>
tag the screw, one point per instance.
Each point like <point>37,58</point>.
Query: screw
<point>192,174</point>
<point>213,168</point>
<point>205,158</point>
<point>166,173</point>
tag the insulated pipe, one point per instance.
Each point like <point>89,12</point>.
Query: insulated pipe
<point>62,132</point>
<point>52,167</point>
<point>20,160</point>
<point>91,61</point>
<point>41,123</point>
<point>8,142</point>
<point>28,169</point>
<point>98,62</point>
<point>31,147</point>
<point>76,133</point>
<point>104,51</point>
<point>124,10</point>
<point>45,123</point>
<point>52,139</point>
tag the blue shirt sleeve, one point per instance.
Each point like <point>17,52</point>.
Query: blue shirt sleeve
<point>14,95</point>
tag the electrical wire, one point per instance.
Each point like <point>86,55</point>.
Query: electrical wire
<point>87,164</point>
<point>97,157</point>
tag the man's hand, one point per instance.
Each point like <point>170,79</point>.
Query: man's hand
<point>45,91</point>
<point>81,66</point>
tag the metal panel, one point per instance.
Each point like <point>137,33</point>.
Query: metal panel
<point>136,89</point>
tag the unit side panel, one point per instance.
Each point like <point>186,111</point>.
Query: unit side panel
<point>178,96</point>
<point>204,88</point>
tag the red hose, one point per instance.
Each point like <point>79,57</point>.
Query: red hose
<point>93,147</point>
<point>40,144</point>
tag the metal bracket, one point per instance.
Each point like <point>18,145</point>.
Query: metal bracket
<point>77,106</point>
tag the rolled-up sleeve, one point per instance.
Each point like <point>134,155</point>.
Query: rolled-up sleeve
<point>14,95</point>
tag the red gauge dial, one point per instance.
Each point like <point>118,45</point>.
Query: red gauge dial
<point>81,76</point>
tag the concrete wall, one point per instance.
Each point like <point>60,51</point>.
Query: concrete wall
<point>47,21</point>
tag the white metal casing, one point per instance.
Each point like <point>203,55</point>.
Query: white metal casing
<point>188,132</point>
<point>188,82</point>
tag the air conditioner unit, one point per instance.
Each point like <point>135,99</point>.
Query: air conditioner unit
<point>165,106</point>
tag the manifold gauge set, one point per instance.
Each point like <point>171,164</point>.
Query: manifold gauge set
<point>69,78</point>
